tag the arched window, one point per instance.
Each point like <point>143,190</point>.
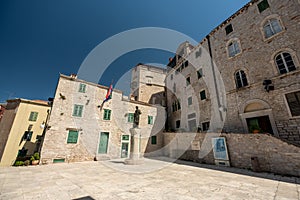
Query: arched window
<point>284,62</point>
<point>241,79</point>
<point>233,48</point>
<point>272,27</point>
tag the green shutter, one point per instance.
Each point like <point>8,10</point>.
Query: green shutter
<point>106,114</point>
<point>125,137</point>
<point>153,139</point>
<point>58,160</point>
<point>82,87</point>
<point>263,5</point>
<point>150,119</point>
<point>77,110</point>
<point>33,116</point>
<point>130,117</point>
<point>72,137</point>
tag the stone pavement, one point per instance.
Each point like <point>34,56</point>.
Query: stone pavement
<point>155,179</point>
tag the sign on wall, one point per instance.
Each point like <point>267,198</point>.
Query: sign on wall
<point>220,151</point>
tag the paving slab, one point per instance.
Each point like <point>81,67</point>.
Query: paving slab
<point>155,179</point>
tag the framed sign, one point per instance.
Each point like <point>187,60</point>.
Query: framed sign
<point>220,148</point>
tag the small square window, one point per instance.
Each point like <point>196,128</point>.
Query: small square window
<point>130,117</point>
<point>77,112</point>
<point>106,115</point>
<point>190,101</point>
<point>150,119</point>
<point>263,5</point>
<point>125,137</point>
<point>177,124</point>
<point>188,81</point>
<point>153,139</point>
<point>82,87</point>
<point>72,137</point>
<point>33,116</point>
<point>199,73</point>
<point>202,95</point>
<point>228,29</point>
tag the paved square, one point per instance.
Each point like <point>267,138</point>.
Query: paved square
<point>105,180</point>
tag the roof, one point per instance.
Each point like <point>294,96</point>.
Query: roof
<point>36,102</point>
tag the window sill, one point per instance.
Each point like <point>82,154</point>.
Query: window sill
<point>269,39</point>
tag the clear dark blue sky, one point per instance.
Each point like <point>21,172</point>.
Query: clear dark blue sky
<point>40,39</point>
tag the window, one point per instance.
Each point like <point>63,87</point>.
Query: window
<point>199,73</point>
<point>130,117</point>
<point>27,135</point>
<point>293,100</point>
<point>205,126</point>
<point>153,139</point>
<point>82,87</point>
<point>174,87</point>
<point>241,79</point>
<point>177,124</point>
<point>33,116</point>
<point>233,48</point>
<point>186,63</point>
<point>202,95</point>
<point>188,81</point>
<point>150,119</point>
<point>106,114</point>
<point>77,112</point>
<point>125,137</point>
<point>228,29</point>
<point>176,105</point>
<point>171,76</point>
<point>272,27</point>
<point>72,137</point>
<point>190,101</point>
<point>284,62</point>
<point>263,5</point>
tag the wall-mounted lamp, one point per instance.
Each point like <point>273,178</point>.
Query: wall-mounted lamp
<point>268,85</point>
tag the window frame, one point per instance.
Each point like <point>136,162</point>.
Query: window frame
<point>130,117</point>
<point>269,22</point>
<point>240,73</point>
<point>284,62</point>
<point>201,92</point>
<point>82,88</point>
<point>106,114</point>
<point>288,106</point>
<point>70,140</point>
<point>78,113</point>
<point>237,48</point>
<point>33,116</point>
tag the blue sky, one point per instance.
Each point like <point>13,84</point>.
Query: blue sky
<point>40,39</point>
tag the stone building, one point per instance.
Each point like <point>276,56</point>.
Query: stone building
<point>148,84</point>
<point>252,82</point>
<point>21,129</point>
<point>82,128</point>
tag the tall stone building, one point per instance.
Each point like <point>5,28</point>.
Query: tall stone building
<point>252,82</point>
<point>82,128</point>
<point>148,84</point>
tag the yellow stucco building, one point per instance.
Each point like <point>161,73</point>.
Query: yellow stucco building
<point>21,129</point>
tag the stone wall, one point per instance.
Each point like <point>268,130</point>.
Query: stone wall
<point>274,155</point>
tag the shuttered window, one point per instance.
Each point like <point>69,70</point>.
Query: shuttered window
<point>72,137</point>
<point>130,117</point>
<point>293,100</point>
<point>77,111</point>
<point>150,119</point>
<point>263,5</point>
<point>82,87</point>
<point>106,115</point>
<point>153,139</point>
<point>33,116</point>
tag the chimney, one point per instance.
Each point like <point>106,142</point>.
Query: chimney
<point>74,76</point>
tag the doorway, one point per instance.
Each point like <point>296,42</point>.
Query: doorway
<point>125,146</point>
<point>262,124</point>
<point>103,143</point>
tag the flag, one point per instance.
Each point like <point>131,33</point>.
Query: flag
<point>107,97</point>
<point>108,94</point>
